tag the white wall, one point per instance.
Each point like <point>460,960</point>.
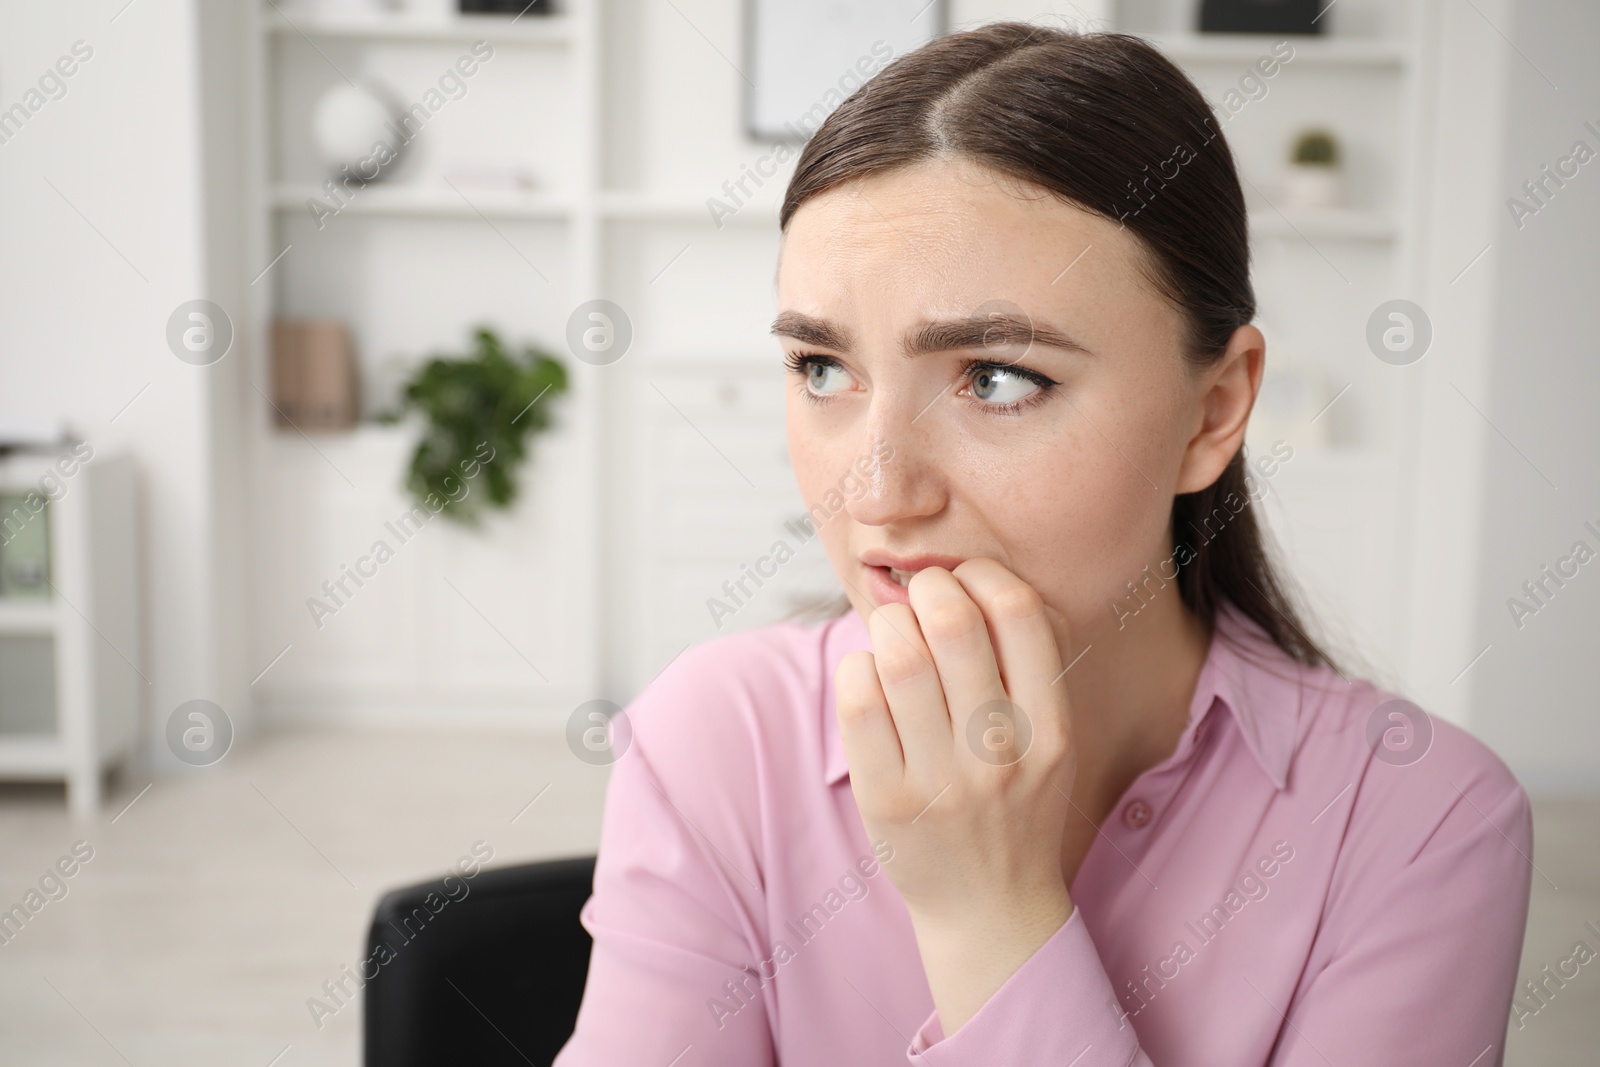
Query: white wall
<point>91,269</point>
<point>1464,71</point>
<point>1537,697</point>
<point>226,163</point>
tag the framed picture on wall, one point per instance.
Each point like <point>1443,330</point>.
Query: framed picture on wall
<point>802,60</point>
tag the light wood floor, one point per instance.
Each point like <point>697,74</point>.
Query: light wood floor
<point>220,901</point>
<point>223,898</point>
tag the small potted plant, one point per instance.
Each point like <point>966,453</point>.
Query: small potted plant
<point>1314,177</point>
<point>480,411</point>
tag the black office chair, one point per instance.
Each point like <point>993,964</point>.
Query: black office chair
<point>493,977</point>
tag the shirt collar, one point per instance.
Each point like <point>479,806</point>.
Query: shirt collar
<point>1259,683</point>
<point>1244,670</point>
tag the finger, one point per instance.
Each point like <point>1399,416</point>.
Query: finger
<point>866,729</point>
<point>1025,644</point>
<point>957,634</point>
<point>911,685</point>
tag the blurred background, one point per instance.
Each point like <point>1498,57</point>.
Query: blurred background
<point>386,391</point>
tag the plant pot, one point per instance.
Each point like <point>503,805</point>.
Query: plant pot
<point>1312,185</point>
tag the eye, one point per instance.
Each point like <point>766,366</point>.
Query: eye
<point>818,372</point>
<point>999,389</point>
<point>1000,385</point>
<point>1006,390</point>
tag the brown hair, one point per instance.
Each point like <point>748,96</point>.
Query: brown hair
<point>1096,119</point>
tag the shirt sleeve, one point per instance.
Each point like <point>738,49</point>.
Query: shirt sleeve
<point>1425,969</point>
<point>1057,1008</point>
<point>669,913</point>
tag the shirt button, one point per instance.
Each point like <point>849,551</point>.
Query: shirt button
<point>1137,814</point>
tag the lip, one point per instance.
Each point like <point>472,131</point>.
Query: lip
<point>884,589</point>
<point>875,558</point>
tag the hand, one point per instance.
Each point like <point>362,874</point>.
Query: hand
<point>975,811</point>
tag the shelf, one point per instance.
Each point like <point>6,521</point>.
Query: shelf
<point>32,757</point>
<point>1338,224</point>
<point>1246,48</point>
<point>680,207</point>
<point>421,201</point>
<point>496,29</point>
<point>27,616</point>
<point>364,433</point>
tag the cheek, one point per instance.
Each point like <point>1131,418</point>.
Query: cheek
<point>805,449</point>
<point>1080,520</point>
<point>818,459</point>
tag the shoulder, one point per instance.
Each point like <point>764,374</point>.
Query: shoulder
<point>1421,832</point>
<point>703,763</point>
<point>1396,745</point>
<point>731,673</point>
<point>735,707</point>
<point>1412,781</point>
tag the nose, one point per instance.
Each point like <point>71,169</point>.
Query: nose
<point>904,478</point>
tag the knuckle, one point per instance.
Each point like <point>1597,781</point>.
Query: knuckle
<point>1048,747</point>
<point>1017,602</point>
<point>950,621</point>
<point>854,708</point>
<point>1053,747</point>
<point>899,662</point>
<point>1012,778</point>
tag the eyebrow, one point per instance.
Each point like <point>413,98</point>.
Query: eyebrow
<point>937,336</point>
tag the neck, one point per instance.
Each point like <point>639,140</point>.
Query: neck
<point>1130,695</point>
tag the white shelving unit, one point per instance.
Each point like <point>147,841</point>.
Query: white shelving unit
<point>492,627</point>
<point>73,682</point>
<point>572,595</point>
<point>666,471</point>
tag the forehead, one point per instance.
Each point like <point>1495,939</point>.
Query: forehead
<point>948,236</point>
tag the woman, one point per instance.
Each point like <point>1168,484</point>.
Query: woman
<point>1068,783</point>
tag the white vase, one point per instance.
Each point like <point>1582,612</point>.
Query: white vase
<point>348,121</point>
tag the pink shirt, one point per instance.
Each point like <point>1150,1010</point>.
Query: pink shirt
<point>1279,890</point>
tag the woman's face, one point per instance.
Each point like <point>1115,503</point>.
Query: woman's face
<point>1059,456</point>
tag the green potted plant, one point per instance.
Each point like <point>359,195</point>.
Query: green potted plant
<point>1314,178</point>
<point>480,411</point>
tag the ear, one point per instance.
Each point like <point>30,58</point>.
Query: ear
<point>1226,392</point>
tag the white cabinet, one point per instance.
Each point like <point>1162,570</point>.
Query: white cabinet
<point>70,686</point>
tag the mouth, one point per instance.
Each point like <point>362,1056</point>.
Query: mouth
<point>890,575</point>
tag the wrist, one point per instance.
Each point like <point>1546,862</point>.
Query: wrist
<point>968,957</point>
<point>1018,925</point>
